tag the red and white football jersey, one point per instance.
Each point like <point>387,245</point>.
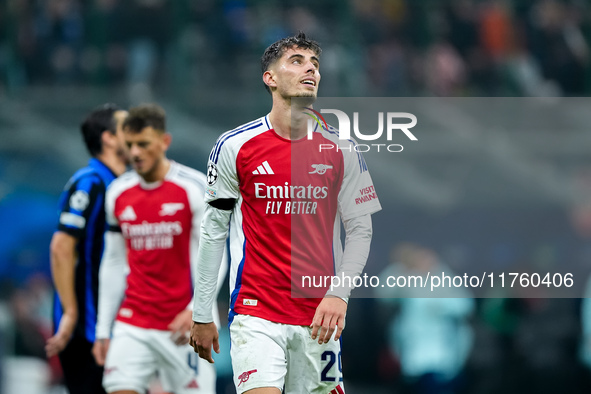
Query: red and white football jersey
<point>290,197</point>
<point>160,224</point>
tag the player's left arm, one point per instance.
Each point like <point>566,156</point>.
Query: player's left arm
<point>63,267</point>
<point>73,220</point>
<point>331,311</point>
<point>356,200</point>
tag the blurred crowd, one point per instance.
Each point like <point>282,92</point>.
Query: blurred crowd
<point>25,325</point>
<point>454,343</point>
<point>371,47</point>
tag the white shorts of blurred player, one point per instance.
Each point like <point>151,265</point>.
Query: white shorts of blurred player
<point>136,355</point>
<point>267,354</point>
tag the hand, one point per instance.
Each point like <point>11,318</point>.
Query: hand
<point>180,327</point>
<point>99,350</point>
<point>59,341</point>
<point>203,336</point>
<point>330,313</point>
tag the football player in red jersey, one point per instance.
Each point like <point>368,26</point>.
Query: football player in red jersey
<point>283,218</point>
<point>145,297</point>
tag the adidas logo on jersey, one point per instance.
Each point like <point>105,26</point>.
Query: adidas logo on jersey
<point>264,169</point>
<point>170,208</point>
<point>128,214</point>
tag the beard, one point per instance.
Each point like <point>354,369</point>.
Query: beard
<point>305,99</point>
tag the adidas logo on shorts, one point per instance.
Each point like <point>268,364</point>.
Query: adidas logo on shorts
<point>337,390</point>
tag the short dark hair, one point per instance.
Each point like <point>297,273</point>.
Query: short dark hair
<point>145,115</point>
<point>278,48</point>
<point>99,120</point>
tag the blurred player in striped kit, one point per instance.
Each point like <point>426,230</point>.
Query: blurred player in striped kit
<point>77,247</point>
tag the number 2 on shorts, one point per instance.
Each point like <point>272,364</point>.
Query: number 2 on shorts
<point>193,361</point>
<point>331,358</point>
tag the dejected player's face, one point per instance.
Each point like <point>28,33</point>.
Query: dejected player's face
<point>147,150</point>
<point>296,73</point>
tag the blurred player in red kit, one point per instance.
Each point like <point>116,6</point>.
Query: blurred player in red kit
<point>154,214</point>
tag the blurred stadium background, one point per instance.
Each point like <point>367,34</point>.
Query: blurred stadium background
<point>526,205</point>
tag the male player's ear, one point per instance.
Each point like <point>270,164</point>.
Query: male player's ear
<point>108,139</point>
<point>166,139</point>
<point>269,79</point>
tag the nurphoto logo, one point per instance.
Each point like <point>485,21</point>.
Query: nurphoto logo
<point>344,129</point>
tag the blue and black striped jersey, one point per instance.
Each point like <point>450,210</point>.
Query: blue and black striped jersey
<point>82,215</point>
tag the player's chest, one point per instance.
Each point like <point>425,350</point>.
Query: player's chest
<point>304,171</point>
<point>147,213</point>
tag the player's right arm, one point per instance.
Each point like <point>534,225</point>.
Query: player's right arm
<point>214,230</point>
<point>222,192</point>
<point>112,281</point>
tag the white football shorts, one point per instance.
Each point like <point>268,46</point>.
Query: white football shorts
<point>267,354</point>
<point>136,355</point>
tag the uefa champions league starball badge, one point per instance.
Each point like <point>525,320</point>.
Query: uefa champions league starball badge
<point>212,174</point>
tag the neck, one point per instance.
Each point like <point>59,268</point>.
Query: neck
<point>159,172</point>
<point>288,122</point>
<point>115,162</point>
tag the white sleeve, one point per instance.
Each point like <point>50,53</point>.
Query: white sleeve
<point>221,193</point>
<point>214,230</point>
<point>112,283</point>
<point>358,231</point>
<point>357,200</point>
<point>198,208</point>
<point>357,195</point>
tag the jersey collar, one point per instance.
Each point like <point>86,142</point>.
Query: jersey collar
<point>102,169</point>
<point>153,185</point>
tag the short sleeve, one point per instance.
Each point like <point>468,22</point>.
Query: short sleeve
<point>79,200</point>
